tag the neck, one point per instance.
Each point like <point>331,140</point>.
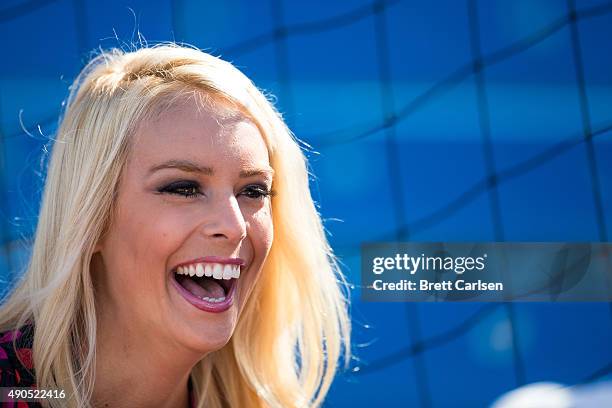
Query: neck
<point>134,368</point>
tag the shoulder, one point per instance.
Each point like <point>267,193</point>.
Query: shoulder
<point>16,364</point>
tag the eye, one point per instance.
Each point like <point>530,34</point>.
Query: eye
<point>257,191</point>
<point>183,188</point>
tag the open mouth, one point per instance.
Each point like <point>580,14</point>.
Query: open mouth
<point>210,282</point>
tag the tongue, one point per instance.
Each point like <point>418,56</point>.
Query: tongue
<point>203,287</point>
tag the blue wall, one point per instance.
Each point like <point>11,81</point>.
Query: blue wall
<point>411,107</point>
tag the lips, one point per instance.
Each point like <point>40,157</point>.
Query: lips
<point>208,283</point>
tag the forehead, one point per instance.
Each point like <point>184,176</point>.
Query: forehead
<point>189,129</point>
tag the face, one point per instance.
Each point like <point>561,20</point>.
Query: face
<point>194,199</point>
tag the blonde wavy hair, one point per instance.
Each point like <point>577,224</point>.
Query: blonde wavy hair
<point>294,330</point>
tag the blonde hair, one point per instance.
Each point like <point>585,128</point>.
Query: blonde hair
<point>294,329</point>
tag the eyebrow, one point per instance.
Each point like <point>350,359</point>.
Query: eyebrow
<point>191,167</point>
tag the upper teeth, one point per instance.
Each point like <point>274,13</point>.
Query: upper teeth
<point>214,270</point>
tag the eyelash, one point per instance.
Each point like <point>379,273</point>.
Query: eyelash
<point>176,188</point>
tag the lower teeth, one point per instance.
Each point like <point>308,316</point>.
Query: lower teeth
<point>214,300</point>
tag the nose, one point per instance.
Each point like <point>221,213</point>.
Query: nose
<point>224,220</point>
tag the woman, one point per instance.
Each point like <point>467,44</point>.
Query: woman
<point>179,259</point>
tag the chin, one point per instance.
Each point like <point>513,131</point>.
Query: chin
<point>198,329</point>
<point>212,342</point>
<point>203,336</point>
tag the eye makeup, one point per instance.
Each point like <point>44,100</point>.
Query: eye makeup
<point>185,188</point>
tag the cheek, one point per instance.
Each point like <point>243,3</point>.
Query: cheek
<point>262,230</point>
<point>145,239</point>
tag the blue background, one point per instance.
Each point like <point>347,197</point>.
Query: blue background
<point>429,121</point>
